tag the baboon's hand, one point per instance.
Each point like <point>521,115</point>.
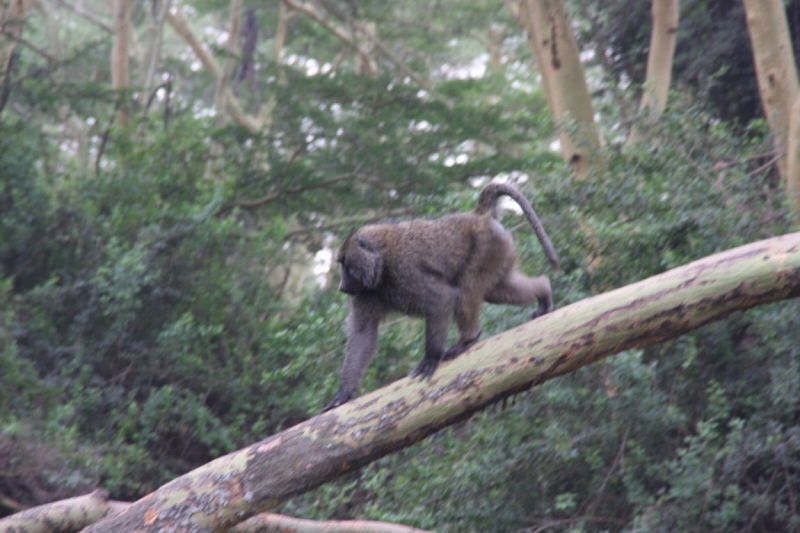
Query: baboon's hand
<point>425,369</point>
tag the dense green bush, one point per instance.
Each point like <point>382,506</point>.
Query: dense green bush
<point>148,324</point>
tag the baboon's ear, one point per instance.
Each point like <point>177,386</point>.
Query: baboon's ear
<point>372,268</point>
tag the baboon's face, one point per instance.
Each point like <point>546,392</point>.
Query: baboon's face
<point>361,265</point>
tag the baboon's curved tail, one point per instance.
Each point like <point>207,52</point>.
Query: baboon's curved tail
<point>487,203</point>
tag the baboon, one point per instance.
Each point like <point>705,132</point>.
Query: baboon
<point>435,269</point>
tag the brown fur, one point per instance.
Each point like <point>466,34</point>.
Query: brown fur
<point>435,269</point>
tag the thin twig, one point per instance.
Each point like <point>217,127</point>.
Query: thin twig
<point>27,44</point>
<point>617,461</point>
<point>278,194</point>
<point>88,16</point>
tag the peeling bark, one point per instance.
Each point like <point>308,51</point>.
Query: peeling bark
<point>235,487</point>
<point>73,514</point>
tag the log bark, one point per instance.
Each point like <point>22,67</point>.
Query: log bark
<point>73,514</point>
<point>237,486</point>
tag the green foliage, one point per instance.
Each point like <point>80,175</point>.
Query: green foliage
<point>694,431</point>
<point>158,305</point>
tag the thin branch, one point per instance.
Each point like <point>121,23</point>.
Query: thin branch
<point>91,17</point>
<point>348,38</point>
<point>52,60</point>
<point>729,201</point>
<point>352,222</point>
<point>778,155</point>
<point>617,461</point>
<point>178,23</point>
<point>158,25</point>
<point>279,194</point>
<point>233,108</point>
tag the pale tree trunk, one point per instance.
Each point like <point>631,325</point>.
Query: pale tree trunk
<point>153,53</point>
<point>280,40</point>
<point>556,52</point>
<point>244,483</point>
<point>120,65</point>
<point>347,37</point>
<point>366,35</point>
<point>12,20</point>
<point>663,37</point>
<point>232,105</point>
<point>494,43</point>
<point>775,68</point>
<point>74,125</point>
<point>793,159</point>
<point>223,81</point>
<point>75,514</point>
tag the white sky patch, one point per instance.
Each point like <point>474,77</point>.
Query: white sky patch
<point>475,69</point>
<point>312,67</point>
<point>217,35</point>
<point>459,159</point>
<point>522,86</point>
<point>422,125</point>
<point>323,261</point>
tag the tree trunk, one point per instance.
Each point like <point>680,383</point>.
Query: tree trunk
<point>555,50</point>
<point>12,20</point>
<point>237,486</point>
<point>793,159</point>
<point>775,68</point>
<point>120,68</point>
<point>232,106</point>
<point>223,81</point>
<point>365,33</point>
<point>153,53</point>
<point>663,36</point>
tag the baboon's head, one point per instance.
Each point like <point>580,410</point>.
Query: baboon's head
<point>362,265</point>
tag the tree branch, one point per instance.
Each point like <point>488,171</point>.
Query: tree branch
<point>242,484</point>
<point>234,109</point>
<point>348,38</point>
<point>288,192</point>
